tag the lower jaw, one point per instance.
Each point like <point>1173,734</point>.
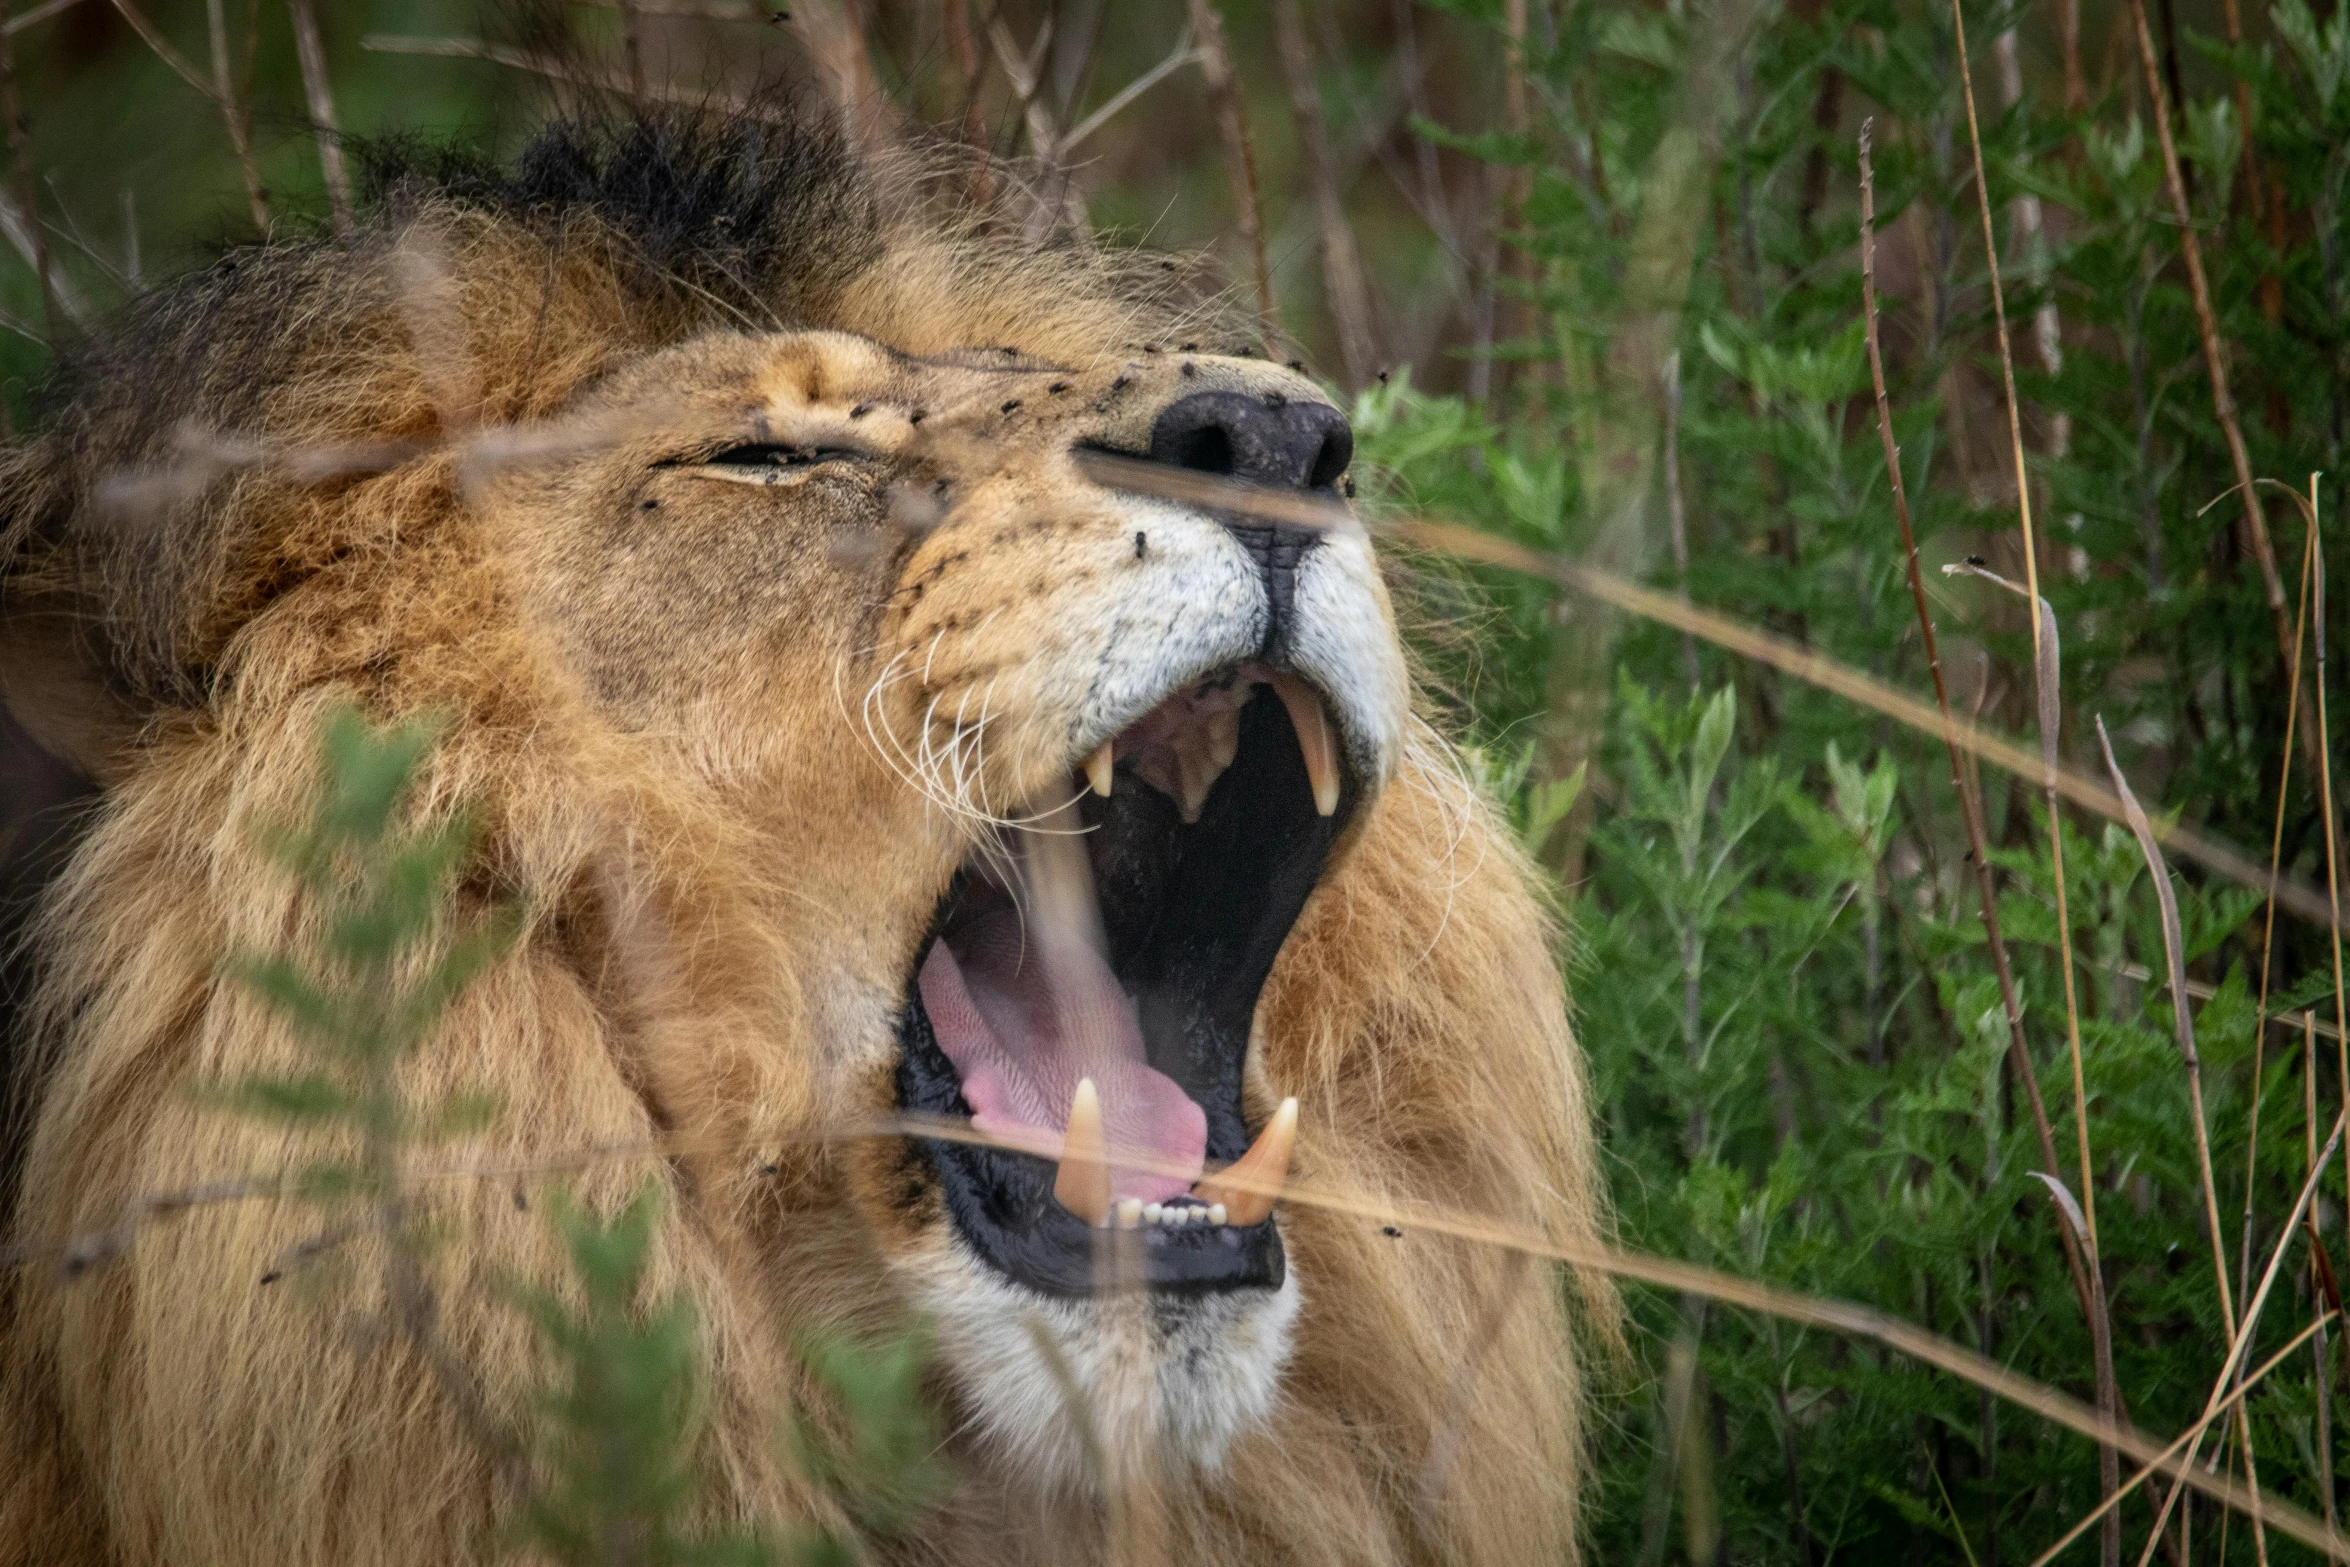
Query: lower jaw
<point>1002,1209</point>
<point>1088,1396</point>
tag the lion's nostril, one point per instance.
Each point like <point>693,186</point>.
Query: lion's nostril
<point>1270,440</point>
<point>1338,450</point>
<point>1207,450</point>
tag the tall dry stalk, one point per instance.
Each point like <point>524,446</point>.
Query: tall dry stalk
<point>1622,593</point>
<point>2183,1030</point>
<point>1240,162</point>
<point>319,90</point>
<point>1348,292</point>
<point>21,176</point>
<point>2215,366</point>
<point>2044,654</point>
<point>2086,1274</point>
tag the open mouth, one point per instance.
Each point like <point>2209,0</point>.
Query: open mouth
<point>1088,988</point>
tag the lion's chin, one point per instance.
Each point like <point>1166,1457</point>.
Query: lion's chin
<point>1079,1397</point>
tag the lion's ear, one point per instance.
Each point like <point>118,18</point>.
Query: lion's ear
<point>56,694</point>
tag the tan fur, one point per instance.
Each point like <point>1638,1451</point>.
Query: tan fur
<point>729,856</point>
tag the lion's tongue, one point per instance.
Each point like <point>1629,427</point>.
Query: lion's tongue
<point>1021,1031</point>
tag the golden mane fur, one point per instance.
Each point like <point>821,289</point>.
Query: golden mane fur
<point>262,497</point>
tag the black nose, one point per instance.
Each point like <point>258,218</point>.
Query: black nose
<point>1262,437</point>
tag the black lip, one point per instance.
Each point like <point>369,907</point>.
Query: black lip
<point>1194,915</point>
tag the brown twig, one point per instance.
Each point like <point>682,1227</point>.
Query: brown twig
<point>320,91</point>
<point>2223,403</point>
<point>1518,188</point>
<point>557,71</point>
<point>2183,1028</point>
<point>1580,1252</point>
<point>2233,1401</point>
<point>2044,652</point>
<point>2086,1278</point>
<point>1349,295</point>
<point>2319,1275</point>
<point>1240,157</point>
<point>40,13</point>
<point>632,47</point>
<point>21,173</point>
<point>224,92</point>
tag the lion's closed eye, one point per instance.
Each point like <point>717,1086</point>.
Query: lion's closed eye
<point>766,463</point>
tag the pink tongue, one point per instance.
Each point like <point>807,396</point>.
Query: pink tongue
<point>1021,1043</point>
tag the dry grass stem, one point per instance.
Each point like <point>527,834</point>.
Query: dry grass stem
<point>319,90</point>
<point>41,13</point>
<point>1590,1256</point>
<point>2083,1253</point>
<point>2214,355</point>
<point>2325,783</point>
<point>2044,638</point>
<point>1831,675</point>
<point>2233,1401</point>
<point>1349,295</point>
<point>1240,158</point>
<point>1734,636</point>
<point>2241,1339</point>
<point>224,92</point>
<point>2183,1029</point>
<point>35,242</point>
<point>558,71</point>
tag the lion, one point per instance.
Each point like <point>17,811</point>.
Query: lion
<point>850,756</point>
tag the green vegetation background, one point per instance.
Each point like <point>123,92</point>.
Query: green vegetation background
<point>1795,1037</point>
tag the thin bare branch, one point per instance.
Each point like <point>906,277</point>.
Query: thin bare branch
<point>223,93</point>
<point>2183,1028</point>
<point>40,13</point>
<point>1181,55</point>
<point>2244,1386</point>
<point>320,91</point>
<point>1240,158</point>
<point>23,223</point>
<point>1347,291</point>
<point>2223,403</point>
<point>2082,1253</point>
<point>1748,642</point>
<point>2241,1339</point>
<point>1579,1252</point>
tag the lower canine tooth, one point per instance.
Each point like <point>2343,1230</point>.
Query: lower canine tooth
<point>1263,1168</point>
<point>1311,720</point>
<point>1100,769</point>
<point>1082,1184</point>
<point>1217,1213</point>
<point>1223,735</point>
<point>1129,1212</point>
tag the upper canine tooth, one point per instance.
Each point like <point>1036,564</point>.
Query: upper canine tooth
<point>1312,723</point>
<point>1082,1184</point>
<point>1099,769</point>
<point>1265,1165</point>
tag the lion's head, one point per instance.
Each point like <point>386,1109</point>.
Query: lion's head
<point>855,755</point>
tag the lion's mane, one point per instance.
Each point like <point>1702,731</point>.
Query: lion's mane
<point>165,1402</point>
